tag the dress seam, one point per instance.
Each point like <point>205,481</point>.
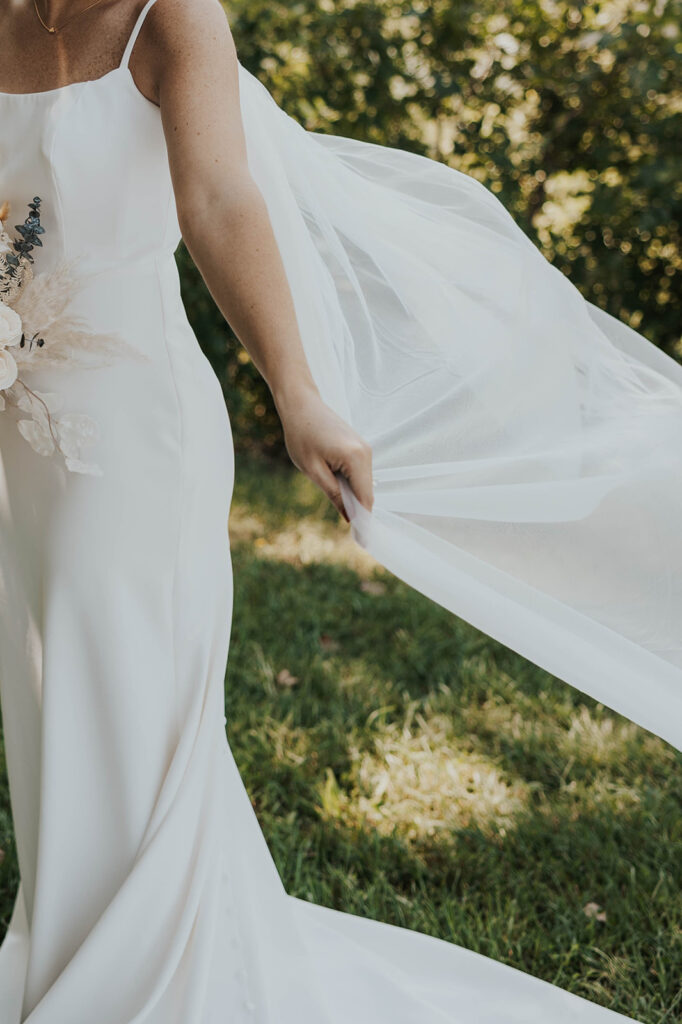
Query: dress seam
<point>59,206</point>
<point>181,513</point>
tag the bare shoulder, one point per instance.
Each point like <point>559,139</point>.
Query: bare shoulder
<point>191,53</point>
<point>183,38</point>
<point>193,28</point>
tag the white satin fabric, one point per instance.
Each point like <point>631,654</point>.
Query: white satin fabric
<point>148,894</point>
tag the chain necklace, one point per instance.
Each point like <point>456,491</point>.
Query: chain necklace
<point>57,28</point>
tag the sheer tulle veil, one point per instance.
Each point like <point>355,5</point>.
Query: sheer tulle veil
<point>527,446</point>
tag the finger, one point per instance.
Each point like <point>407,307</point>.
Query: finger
<point>330,485</point>
<point>358,472</point>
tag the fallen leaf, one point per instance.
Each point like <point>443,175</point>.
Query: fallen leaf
<point>373,587</point>
<point>595,911</point>
<point>285,678</point>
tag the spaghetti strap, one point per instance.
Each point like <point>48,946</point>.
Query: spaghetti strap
<point>134,34</point>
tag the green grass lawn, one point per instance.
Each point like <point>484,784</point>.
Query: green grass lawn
<point>406,767</point>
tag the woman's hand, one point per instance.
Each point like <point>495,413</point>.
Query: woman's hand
<point>320,443</point>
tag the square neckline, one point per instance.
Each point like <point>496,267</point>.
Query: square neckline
<point>69,85</point>
<point>83,82</point>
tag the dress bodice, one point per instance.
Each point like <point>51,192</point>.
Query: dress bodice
<point>95,153</point>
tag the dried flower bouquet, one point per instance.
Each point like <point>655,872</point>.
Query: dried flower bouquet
<point>37,331</point>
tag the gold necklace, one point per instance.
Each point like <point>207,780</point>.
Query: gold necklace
<point>57,28</point>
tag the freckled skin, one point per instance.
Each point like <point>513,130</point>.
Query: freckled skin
<point>185,61</point>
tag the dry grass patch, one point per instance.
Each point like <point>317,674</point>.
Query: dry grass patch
<point>600,738</point>
<point>301,543</point>
<point>417,781</point>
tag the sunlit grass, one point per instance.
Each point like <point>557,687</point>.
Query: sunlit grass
<point>300,543</point>
<point>417,780</point>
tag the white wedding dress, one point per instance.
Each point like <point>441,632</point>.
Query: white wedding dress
<point>148,894</point>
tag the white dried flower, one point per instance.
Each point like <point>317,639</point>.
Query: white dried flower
<point>10,326</point>
<point>37,435</point>
<point>8,369</point>
<point>78,466</point>
<point>33,402</point>
<point>76,430</point>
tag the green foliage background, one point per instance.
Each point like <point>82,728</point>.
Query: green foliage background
<point>571,113</point>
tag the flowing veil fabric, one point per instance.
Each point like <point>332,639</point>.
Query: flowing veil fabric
<point>527,446</point>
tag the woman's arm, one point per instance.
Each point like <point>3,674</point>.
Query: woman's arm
<point>227,230</point>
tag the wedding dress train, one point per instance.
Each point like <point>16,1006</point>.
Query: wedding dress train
<point>526,450</point>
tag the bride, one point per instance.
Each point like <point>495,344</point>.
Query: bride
<point>503,446</point>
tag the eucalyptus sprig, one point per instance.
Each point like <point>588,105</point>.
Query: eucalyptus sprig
<point>30,232</point>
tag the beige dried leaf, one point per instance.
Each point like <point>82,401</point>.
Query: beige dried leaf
<point>595,911</point>
<point>375,587</point>
<point>285,678</point>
